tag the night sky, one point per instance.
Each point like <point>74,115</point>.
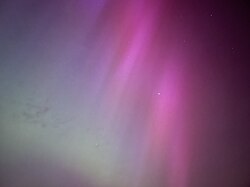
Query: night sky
<point>124,93</point>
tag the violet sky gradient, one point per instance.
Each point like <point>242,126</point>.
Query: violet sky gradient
<point>124,93</point>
